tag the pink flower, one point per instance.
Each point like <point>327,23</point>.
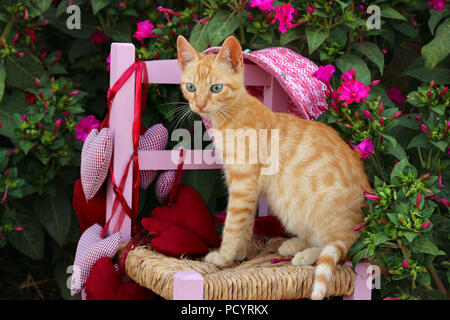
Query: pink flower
<point>437,4</point>
<point>30,98</point>
<point>19,228</point>
<point>396,115</point>
<point>353,91</point>
<point>383,51</point>
<point>418,200</point>
<point>371,197</point>
<point>58,123</point>
<point>349,75</point>
<point>425,129</point>
<point>406,265</point>
<point>443,91</point>
<point>395,94</point>
<point>359,226</point>
<point>84,127</point>
<point>144,30</point>
<point>367,114</point>
<point>30,33</point>
<point>434,196</point>
<point>98,37</point>
<point>440,185</point>
<point>324,73</point>
<point>311,10</point>
<point>425,225</point>
<point>366,148</point>
<point>284,16</point>
<point>391,298</point>
<point>445,202</point>
<point>263,5</point>
<point>73,93</point>
<point>108,60</point>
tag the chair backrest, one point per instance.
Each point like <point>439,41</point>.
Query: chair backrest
<point>121,121</point>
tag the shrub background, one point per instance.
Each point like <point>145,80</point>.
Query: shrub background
<point>52,77</point>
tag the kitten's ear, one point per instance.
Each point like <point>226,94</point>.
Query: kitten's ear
<point>186,53</point>
<point>231,54</point>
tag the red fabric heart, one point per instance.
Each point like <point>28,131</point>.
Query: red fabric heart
<point>104,283</point>
<point>89,212</point>
<point>172,239</point>
<point>270,226</point>
<point>190,211</point>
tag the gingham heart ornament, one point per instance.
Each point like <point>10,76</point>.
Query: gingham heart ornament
<point>95,159</point>
<point>155,138</point>
<point>163,186</point>
<point>90,248</point>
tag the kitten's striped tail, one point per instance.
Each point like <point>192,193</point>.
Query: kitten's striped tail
<point>331,254</point>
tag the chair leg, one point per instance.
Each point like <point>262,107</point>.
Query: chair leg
<point>363,290</point>
<point>188,285</point>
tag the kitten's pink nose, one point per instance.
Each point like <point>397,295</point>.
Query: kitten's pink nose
<point>201,105</point>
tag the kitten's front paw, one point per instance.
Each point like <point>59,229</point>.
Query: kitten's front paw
<point>218,259</point>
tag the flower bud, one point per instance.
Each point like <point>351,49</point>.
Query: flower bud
<point>396,115</point>
<point>425,129</point>
<point>425,225</point>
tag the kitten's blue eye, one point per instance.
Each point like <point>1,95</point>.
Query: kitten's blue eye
<point>216,88</point>
<point>190,87</point>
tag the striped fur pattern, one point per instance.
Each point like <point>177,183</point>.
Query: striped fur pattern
<point>318,190</point>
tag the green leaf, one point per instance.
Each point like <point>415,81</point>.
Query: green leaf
<point>26,145</point>
<point>21,72</point>
<point>2,81</point>
<point>397,151</point>
<point>315,37</point>
<point>410,236</point>
<point>221,26</point>
<point>30,241</point>
<point>379,238</point>
<point>345,63</point>
<point>406,28</point>
<point>439,109</point>
<point>439,48</point>
<point>12,103</point>
<point>44,5</point>
<point>199,36</point>
<point>358,257</point>
<point>441,145</point>
<point>54,215</point>
<point>391,13</point>
<point>373,52</point>
<point>436,16</point>
<point>120,32</point>
<point>420,140</point>
<point>391,139</point>
<point>289,36</point>
<point>399,167</point>
<point>98,5</point>
<point>423,244</point>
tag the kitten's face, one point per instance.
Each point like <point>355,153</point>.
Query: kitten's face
<point>210,82</point>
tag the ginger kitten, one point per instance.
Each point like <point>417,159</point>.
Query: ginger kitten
<point>317,191</point>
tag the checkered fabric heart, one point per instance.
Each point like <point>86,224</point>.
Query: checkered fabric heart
<point>163,186</point>
<point>155,138</point>
<point>91,247</point>
<point>95,160</point>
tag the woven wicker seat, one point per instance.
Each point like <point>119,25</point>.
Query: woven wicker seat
<point>253,279</point>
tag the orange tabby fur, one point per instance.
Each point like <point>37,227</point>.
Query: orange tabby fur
<point>317,192</point>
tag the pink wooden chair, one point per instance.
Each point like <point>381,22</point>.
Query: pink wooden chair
<point>187,284</point>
